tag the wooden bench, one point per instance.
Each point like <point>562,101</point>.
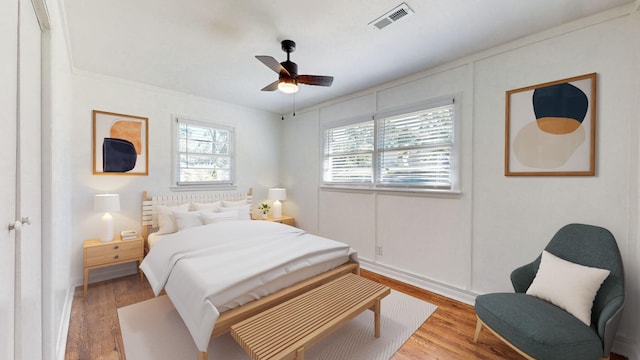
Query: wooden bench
<point>283,332</point>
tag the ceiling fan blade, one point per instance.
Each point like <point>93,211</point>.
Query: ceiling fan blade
<point>315,80</point>
<point>271,87</point>
<point>272,64</point>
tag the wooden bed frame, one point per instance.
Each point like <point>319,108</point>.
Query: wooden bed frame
<point>233,316</point>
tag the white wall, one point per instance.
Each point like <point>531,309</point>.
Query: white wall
<point>257,153</point>
<point>468,244</point>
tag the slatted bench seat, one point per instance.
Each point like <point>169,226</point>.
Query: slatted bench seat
<point>283,332</point>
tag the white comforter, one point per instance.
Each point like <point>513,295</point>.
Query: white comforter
<point>208,269</point>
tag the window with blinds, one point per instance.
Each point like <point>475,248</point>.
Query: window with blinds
<point>348,154</point>
<point>406,150</point>
<point>415,149</point>
<point>204,153</point>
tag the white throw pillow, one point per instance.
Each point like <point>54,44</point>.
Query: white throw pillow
<point>166,221</point>
<point>570,286</point>
<point>244,212</point>
<point>187,219</point>
<point>214,206</point>
<point>212,217</point>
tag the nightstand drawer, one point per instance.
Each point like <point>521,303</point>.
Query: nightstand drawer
<point>287,221</point>
<point>111,253</point>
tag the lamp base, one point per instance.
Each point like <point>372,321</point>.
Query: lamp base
<point>277,209</point>
<point>106,228</point>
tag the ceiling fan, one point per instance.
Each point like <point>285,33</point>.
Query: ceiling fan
<point>288,78</point>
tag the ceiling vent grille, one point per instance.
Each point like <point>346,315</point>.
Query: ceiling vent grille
<point>399,12</point>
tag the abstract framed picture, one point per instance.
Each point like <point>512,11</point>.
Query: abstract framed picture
<point>120,144</point>
<point>550,128</point>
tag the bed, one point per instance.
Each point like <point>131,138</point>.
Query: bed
<point>218,267</point>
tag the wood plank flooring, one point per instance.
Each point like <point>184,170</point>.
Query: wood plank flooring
<point>94,331</point>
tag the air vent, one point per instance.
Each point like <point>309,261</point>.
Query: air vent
<point>401,11</point>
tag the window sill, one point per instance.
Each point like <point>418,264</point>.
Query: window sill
<point>394,191</point>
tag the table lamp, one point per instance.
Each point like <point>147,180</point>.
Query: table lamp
<point>277,194</point>
<point>106,203</point>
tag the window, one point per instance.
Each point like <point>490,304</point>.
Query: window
<point>204,153</point>
<point>349,154</point>
<point>410,149</point>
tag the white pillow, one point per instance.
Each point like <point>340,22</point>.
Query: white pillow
<point>187,219</point>
<point>212,217</point>
<point>166,221</point>
<point>244,212</point>
<point>229,204</point>
<point>206,206</point>
<point>570,286</point>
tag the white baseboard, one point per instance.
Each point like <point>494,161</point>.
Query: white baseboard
<point>449,291</point>
<point>624,347</point>
<point>63,330</point>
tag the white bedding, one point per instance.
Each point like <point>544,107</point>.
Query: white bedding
<point>209,269</point>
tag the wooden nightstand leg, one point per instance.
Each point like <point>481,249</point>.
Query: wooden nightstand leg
<point>86,281</point>
<point>140,270</point>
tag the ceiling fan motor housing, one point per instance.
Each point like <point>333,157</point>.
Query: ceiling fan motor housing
<point>291,67</point>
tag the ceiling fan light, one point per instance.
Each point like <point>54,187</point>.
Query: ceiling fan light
<point>288,87</point>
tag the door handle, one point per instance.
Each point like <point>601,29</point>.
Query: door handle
<point>18,224</point>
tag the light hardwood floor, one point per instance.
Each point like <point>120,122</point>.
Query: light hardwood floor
<point>94,330</point>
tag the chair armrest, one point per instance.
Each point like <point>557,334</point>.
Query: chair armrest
<point>522,277</point>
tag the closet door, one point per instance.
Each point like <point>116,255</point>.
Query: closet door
<point>28,205</point>
<point>20,182</point>
<point>8,116</point>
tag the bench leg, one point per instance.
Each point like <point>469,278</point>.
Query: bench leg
<point>300,354</point>
<point>203,355</point>
<point>376,311</point>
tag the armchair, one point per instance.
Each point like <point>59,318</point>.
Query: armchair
<point>538,329</point>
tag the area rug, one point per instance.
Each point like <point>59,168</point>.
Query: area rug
<point>152,329</point>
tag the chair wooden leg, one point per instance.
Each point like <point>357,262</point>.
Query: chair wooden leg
<point>203,355</point>
<point>478,328</point>
<point>479,325</point>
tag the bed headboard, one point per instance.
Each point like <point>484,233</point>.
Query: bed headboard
<point>149,203</point>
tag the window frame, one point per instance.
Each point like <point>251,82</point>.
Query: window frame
<point>376,185</point>
<point>175,176</point>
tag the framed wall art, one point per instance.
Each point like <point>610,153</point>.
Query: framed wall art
<point>120,144</point>
<point>550,128</point>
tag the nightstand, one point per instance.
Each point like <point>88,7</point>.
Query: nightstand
<point>287,220</point>
<point>98,254</point>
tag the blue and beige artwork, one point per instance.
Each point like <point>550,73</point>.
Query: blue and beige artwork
<point>120,150</point>
<point>557,132</point>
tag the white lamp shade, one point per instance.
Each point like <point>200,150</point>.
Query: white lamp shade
<point>106,203</point>
<point>277,194</point>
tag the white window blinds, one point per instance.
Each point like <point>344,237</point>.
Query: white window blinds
<point>416,148</point>
<point>348,153</point>
<point>205,153</point>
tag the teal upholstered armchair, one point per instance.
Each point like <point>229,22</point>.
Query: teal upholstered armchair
<point>538,329</point>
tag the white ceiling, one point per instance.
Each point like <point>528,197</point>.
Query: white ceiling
<point>207,47</point>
